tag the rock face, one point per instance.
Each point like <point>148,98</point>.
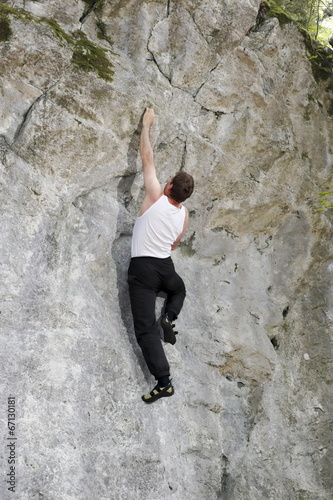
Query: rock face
<point>238,107</point>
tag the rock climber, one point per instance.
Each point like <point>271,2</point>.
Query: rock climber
<point>161,223</point>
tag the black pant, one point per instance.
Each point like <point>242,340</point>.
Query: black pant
<point>147,276</point>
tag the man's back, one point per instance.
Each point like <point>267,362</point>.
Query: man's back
<point>156,230</point>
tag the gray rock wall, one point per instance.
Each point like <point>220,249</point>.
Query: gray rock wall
<point>240,110</point>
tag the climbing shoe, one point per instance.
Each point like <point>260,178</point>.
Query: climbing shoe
<point>158,392</point>
<point>169,333</point>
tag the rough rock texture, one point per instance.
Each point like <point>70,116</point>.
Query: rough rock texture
<point>239,108</point>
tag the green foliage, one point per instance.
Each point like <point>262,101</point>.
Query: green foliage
<point>326,197</point>
<point>308,15</point>
<point>276,10</point>
<point>319,57</point>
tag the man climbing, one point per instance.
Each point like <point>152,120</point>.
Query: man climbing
<point>161,223</point>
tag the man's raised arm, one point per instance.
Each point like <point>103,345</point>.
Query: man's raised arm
<point>152,186</point>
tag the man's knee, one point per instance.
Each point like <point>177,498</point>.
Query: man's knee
<point>146,333</point>
<point>181,290</point>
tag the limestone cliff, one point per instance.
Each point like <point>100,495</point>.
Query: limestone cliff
<point>238,107</point>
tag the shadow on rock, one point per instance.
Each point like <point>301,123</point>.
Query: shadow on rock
<point>121,248</point>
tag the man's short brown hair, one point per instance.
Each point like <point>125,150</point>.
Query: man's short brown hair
<point>182,186</point>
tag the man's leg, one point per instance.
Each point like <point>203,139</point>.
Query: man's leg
<point>144,283</point>
<point>174,287</point>
<point>176,292</point>
<point>146,328</point>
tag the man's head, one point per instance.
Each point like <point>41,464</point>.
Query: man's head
<point>181,186</point>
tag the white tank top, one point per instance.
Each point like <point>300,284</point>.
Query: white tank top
<point>157,229</point>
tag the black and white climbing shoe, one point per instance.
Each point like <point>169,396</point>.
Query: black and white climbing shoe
<point>169,333</point>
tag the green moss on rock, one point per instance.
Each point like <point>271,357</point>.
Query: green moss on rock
<point>87,56</point>
<point>5,29</point>
<point>5,24</point>
<point>18,13</point>
<point>186,247</point>
<point>59,32</point>
<point>90,3</point>
<point>102,33</point>
<point>96,5</point>
<point>274,10</point>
